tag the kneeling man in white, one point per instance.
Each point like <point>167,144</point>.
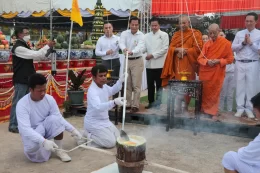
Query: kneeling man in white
<point>40,121</point>
<point>96,122</point>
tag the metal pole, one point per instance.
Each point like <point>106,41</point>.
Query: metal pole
<point>125,85</point>
<point>68,61</point>
<point>51,6</point>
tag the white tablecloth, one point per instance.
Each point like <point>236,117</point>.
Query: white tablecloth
<point>144,82</point>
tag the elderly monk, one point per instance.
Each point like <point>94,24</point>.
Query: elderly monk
<point>216,54</point>
<point>182,54</point>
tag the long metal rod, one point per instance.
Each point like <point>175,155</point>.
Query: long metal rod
<point>125,85</point>
<point>67,151</point>
<point>51,6</point>
<point>98,150</point>
<point>68,61</point>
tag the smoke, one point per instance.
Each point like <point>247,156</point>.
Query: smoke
<point>184,118</point>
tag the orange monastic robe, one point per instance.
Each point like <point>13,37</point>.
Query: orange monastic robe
<point>173,65</point>
<point>213,77</point>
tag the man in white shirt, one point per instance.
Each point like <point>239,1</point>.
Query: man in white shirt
<point>247,159</point>
<point>40,121</point>
<point>228,87</point>
<point>132,41</point>
<point>245,45</point>
<point>156,44</point>
<point>22,59</point>
<point>96,122</point>
<point>108,47</point>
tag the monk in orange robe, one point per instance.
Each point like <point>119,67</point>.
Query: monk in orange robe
<point>216,54</point>
<point>182,55</point>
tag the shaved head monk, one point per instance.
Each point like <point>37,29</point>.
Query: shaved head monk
<point>182,54</point>
<point>205,38</point>
<point>216,54</point>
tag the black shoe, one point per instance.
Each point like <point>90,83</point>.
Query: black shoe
<point>14,130</point>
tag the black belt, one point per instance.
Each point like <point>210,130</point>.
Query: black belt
<point>247,61</point>
<point>133,58</point>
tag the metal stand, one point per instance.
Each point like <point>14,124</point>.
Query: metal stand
<point>53,62</point>
<point>190,88</point>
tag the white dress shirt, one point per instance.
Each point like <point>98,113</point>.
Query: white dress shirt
<point>26,53</point>
<point>31,113</point>
<point>98,105</point>
<point>251,153</point>
<point>104,44</point>
<point>133,42</point>
<point>247,52</point>
<point>156,44</point>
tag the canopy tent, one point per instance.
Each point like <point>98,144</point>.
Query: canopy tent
<point>59,22</point>
<point>169,7</point>
<point>40,8</point>
<point>235,20</point>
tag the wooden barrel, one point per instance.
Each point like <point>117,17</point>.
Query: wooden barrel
<point>131,154</point>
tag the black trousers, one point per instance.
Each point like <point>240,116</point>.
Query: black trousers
<point>114,64</point>
<point>154,77</point>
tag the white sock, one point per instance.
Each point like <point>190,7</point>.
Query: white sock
<point>58,142</point>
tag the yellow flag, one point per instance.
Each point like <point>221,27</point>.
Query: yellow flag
<point>75,13</point>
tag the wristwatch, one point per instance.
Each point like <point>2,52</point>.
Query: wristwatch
<point>243,44</point>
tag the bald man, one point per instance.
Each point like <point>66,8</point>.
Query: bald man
<point>216,54</point>
<point>182,56</point>
<point>228,87</point>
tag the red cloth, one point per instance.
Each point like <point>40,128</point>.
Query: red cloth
<point>233,22</point>
<point>168,7</point>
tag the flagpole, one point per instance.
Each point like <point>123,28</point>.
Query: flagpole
<point>68,61</point>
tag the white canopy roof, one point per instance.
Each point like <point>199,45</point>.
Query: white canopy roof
<point>44,5</point>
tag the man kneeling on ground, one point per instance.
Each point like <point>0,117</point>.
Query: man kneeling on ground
<point>96,123</point>
<point>39,121</point>
<point>247,159</point>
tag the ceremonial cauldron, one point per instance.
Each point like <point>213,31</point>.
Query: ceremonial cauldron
<point>131,154</point>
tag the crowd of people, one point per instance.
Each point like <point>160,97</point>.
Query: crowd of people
<point>35,114</point>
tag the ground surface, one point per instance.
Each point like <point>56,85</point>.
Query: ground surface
<point>178,149</point>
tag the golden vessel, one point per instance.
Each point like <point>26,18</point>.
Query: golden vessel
<point>184,75</point>
<point>109,73</point>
